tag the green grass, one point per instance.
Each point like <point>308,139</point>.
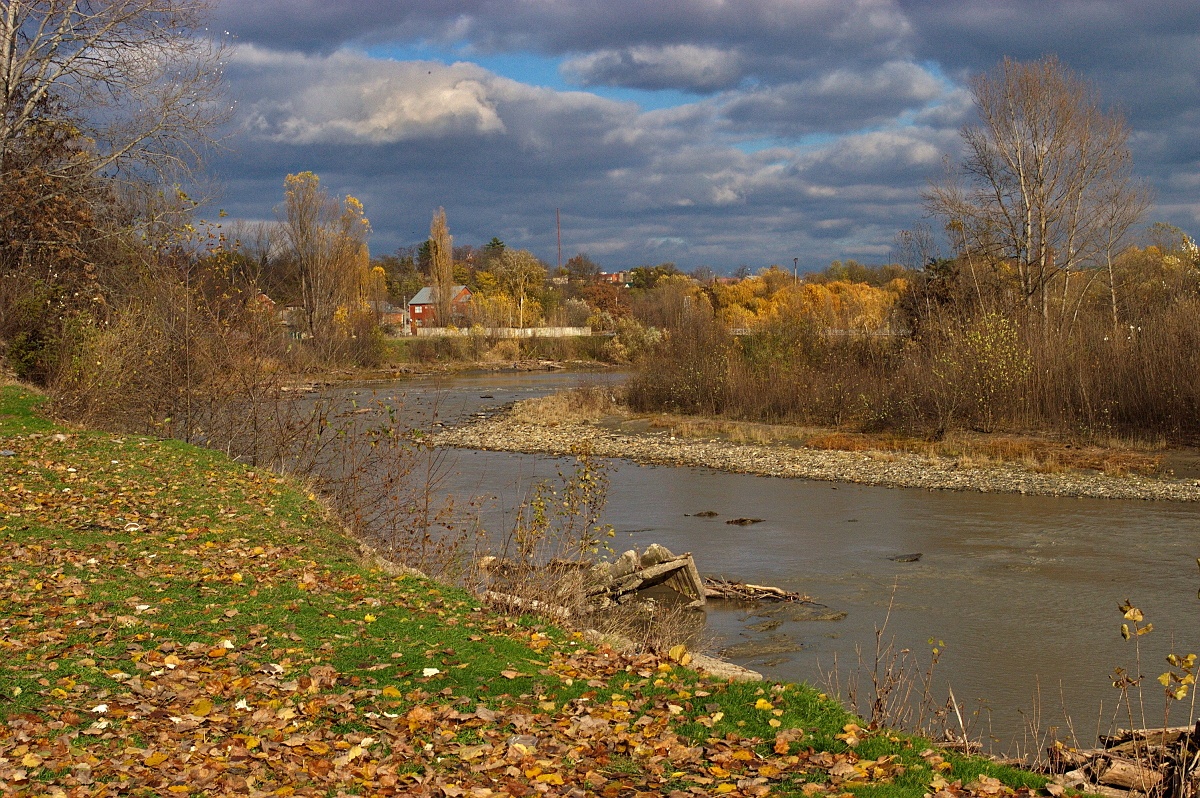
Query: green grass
<point>172,622</point>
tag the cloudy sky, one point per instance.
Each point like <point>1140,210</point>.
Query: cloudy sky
<point>705,132</point>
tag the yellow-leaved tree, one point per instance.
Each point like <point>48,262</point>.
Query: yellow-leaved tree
<point>846,306</point>
<point>840,305</point>
<point>328,240</point>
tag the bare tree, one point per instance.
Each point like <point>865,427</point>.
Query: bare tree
<point>916,248</point>
<point>133,78</point>
<point>258,245</point>
<point>328,239</point>
<point>518,270</point>
<point>441,247</point>
<point>1121,204</point>
<point>1043,172</point>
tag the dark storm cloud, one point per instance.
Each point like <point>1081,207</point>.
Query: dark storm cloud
<point>817,125</point>
<point>1143,57</point>
<point>859,29</point>
<point>675,66</point>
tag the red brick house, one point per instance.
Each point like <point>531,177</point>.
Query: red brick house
<point>422,309</point>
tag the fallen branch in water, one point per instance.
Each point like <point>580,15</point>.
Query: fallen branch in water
<point>715,587</point>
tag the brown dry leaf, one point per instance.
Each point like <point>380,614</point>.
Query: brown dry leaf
<point>784,738</point>
<point>843,770</point>
<point>986,785</point>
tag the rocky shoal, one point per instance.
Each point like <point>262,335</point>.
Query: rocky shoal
<point>502,432</point>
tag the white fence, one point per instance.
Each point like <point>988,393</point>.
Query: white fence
<point>503,332</point>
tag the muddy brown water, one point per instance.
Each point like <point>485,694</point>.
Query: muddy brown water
<point>1019,593</point>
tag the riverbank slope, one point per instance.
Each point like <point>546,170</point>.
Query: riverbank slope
<point>175,623</point>
<point>551,426</point>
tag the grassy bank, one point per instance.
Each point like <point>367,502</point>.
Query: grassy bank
<point>174,623</point>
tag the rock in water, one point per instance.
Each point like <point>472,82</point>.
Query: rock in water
<point>704,514</point>
<point>906,557</point>
<point>749,521</point>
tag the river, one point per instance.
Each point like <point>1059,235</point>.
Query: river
<point>1018,593</point>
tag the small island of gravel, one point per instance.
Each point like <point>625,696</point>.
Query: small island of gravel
<point>552,425</point>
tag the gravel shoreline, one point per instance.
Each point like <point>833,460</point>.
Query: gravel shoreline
<point>502,432</point>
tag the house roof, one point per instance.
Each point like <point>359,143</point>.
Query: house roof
<point>425,295</point>
<point>383,306</point>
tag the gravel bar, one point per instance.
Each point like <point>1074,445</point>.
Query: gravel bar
<point>501,432</point>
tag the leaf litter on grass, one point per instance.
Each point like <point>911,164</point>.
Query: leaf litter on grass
<point>172,623</point>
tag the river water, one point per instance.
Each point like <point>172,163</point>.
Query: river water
<point>1018,593</point>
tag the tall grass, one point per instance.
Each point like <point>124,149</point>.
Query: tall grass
<point>986,371</point>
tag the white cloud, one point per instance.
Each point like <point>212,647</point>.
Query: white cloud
<point>881,156</point>
<point>348,99</point>
<point>838,100</point>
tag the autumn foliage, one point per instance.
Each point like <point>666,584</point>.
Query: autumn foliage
<point>953,346</point>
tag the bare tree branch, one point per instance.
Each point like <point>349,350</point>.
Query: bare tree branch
<point>137,80</point>
<point>1046,186</point>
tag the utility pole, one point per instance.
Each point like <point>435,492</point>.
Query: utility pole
<point>796,271</point>
<point>558,228</point>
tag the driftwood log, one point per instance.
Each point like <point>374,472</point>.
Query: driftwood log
<point>510,602</point>
<point>1134,762</point>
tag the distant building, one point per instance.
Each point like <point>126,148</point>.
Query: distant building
<point>390,314</point>
<point>422,309</point>
<point>618,278</point>
<point>264,303</point>
<point>294,320</point>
